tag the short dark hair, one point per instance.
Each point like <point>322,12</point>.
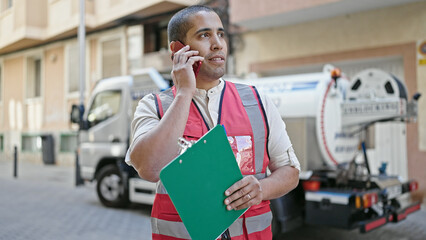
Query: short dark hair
<point>179,25</point>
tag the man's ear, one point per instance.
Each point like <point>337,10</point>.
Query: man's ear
<point>176,46</point>
<point>172,45</point>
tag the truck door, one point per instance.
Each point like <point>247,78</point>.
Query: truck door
<point>106,133</point>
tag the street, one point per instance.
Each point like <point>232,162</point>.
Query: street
<point>43,203</point>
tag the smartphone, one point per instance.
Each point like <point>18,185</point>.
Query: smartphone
<point>176,47</point>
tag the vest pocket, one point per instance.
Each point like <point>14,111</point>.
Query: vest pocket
<point>242,147</point>
<point>193,129</point>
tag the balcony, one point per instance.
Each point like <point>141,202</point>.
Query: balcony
<point>31,22</point>
<point>255,15</point>
<point>108,11</point>
<point>22,25</point>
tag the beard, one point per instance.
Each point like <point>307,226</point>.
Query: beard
<point>211,72</point>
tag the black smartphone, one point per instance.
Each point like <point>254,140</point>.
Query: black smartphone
<point>197,65</point>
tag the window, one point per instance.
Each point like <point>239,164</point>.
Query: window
<point>33,77</point>
<point>105,105</point>
<point>134,46</point>
<point>73,68</point>
<point>111,58</point>
<point>68,142</point>
<point>31,143</point>
<point>155,36</point>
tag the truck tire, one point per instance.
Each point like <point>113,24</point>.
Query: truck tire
<point>110,187</point>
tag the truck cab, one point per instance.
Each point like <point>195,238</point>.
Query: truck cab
<point>104,137</point>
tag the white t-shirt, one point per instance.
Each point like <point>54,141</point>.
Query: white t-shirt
<point>280,149</point>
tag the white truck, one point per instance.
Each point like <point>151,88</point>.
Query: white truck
<point>326,117</point>
<point>104,137</point>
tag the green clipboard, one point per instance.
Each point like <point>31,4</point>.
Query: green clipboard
<point>196,182</point>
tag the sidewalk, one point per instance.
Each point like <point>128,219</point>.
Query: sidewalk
<point>38,172</point>
<point>43,203</point>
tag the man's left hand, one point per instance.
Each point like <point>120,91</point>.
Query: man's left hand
<point>244,194</point>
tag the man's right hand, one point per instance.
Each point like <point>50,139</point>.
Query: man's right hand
<point>156,148</point>
<point>182,73</point>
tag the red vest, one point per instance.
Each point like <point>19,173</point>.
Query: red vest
<point>242,114</point>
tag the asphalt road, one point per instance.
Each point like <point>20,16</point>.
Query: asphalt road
<point>43,203</point>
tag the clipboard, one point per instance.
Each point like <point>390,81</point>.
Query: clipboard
<point>196,182</point>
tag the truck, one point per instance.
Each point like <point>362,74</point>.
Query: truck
<point>327,116</point>
<point>104,137</point>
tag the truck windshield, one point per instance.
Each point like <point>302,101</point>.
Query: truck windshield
<point>105,105</point>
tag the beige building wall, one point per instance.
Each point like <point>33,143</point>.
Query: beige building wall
<point>270,7</point>
<point>376,28</point>
<point>1,94</point>
<point>93,63</point>
<point>25,117</point>
<point>22,114</point>
<point>13,99</point>
<point>55,111</point>
<point>393,31</point>
<point>13,103</point>
<point>36,13</point>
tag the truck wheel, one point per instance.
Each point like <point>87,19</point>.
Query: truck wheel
<point>110,188</point>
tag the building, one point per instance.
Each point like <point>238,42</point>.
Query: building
<point>39,63</point>
<point>275,37</point>
<point>39,56</point>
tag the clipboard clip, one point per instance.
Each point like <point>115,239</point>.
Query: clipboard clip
<point>184,144</point>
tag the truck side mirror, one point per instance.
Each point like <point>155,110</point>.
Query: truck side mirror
<point>75,114</point>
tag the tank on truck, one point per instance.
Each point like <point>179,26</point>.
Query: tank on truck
<point>340,107</point>
<point>325,115</point>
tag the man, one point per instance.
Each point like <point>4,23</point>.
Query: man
<point>193,106</point>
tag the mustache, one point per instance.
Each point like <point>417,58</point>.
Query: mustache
<point>210,55</point>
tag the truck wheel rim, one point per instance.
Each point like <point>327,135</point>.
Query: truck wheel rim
<point>110,187</point>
